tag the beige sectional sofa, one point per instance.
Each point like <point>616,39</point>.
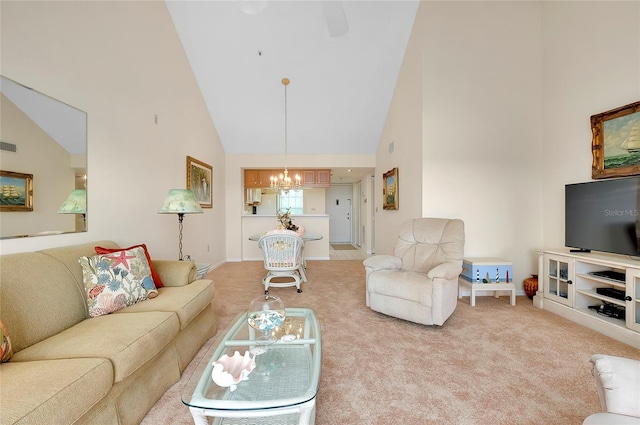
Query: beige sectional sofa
<point>69,368</point>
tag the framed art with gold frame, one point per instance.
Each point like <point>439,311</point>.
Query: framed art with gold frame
<point>16,191</point>
<point>615,145</point>
<point>200,181</point>
<point>390,190</point>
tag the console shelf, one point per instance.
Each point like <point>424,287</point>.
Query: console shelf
<point>568,288</point>
<point>595,295</point>
<point>615,283</point>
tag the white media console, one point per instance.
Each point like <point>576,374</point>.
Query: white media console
<point>568,286</point>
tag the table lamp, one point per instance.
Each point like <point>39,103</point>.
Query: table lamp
<point>181,202</point>
<point>76,203</point>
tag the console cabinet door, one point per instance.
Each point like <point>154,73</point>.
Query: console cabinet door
<point>558,279</point>
<point>633,299</point>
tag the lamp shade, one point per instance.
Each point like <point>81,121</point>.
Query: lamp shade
<point>76,203</point>
<point>181,201</point>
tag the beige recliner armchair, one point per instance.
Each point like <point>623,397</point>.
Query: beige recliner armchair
<point>618,385</point>
<point>419,282</point>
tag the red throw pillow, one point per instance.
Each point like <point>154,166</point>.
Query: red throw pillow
<point>154,275</point>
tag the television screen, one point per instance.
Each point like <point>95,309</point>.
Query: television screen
<point>603,216</point>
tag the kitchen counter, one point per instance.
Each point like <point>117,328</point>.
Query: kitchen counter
<point>293,216</point>
<point>315,223</point>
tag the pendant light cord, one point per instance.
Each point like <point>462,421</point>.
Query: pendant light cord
<point>285,82</point>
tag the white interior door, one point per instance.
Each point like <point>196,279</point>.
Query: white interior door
<point>338,206</point>
<point>357,232</point>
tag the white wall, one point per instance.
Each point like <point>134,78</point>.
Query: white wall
<point>591,64</point>
<point>401,146</point>
<point>122,63</point>
<point>482,109</point>
<point>506,90</point>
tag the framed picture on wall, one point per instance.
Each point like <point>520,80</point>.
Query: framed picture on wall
<point>615,145</point>
<point>200,181</point>
<point>390,190</point>
<point>16,191</point>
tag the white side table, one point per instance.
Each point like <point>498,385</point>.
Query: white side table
<point>203,269</point>
<point>486,287</point>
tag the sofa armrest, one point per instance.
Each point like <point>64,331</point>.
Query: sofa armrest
<point>447,271</point>
<point>175,273</point>
<point>618,384</point>
<point>381,262</point>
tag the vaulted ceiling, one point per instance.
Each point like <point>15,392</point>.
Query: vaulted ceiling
<point>342,58</point>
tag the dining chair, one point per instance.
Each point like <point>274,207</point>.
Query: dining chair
<point>283,260</point>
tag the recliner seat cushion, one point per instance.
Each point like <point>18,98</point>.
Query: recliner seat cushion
<point>414,287</point>
<point>127,340</point>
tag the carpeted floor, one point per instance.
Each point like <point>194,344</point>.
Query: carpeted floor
<point>490,364</point>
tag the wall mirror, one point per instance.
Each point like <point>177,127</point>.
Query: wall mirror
<point>45,139</point>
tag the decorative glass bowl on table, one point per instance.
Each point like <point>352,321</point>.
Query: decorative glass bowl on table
<point>265,314</point>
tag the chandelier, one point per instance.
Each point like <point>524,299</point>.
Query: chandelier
<point>283,181</point>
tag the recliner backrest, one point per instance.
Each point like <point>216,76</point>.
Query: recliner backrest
<point>423,243</point>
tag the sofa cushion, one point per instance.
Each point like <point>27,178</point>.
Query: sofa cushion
<point>5,344</point>
<point>154,274</point>
<point>68,255</point>
<point>114,281</point>
<point>52,391</point>
<point>34,289</point>
<point>127,340</point>
<point>186,301</point>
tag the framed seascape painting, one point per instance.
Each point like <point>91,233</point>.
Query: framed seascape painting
<point>200,181</point>
<point>390,190</point>
<point>16,191</point>
<point>616,142</point>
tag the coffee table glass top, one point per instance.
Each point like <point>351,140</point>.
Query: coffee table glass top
<point>286,374</point>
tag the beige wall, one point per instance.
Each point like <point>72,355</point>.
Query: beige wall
<point>53,176</point>
<point>591,64</point>
<point>122,63</point>
<point>504,92</point>
<point>401,146</point>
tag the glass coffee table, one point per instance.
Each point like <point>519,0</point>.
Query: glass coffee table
<point>281,389</point>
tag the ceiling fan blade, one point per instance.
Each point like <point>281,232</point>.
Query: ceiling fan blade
<point>252,7</point>
<point>335,17</point>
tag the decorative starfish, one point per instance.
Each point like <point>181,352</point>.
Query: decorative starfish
<point>121,258</point>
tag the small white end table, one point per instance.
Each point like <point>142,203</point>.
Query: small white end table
<point>203,269</point>
<point>473,286</point>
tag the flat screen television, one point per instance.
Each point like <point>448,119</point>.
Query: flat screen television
<point>603,216</point>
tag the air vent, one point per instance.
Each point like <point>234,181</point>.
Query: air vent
<point>9,147</point>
